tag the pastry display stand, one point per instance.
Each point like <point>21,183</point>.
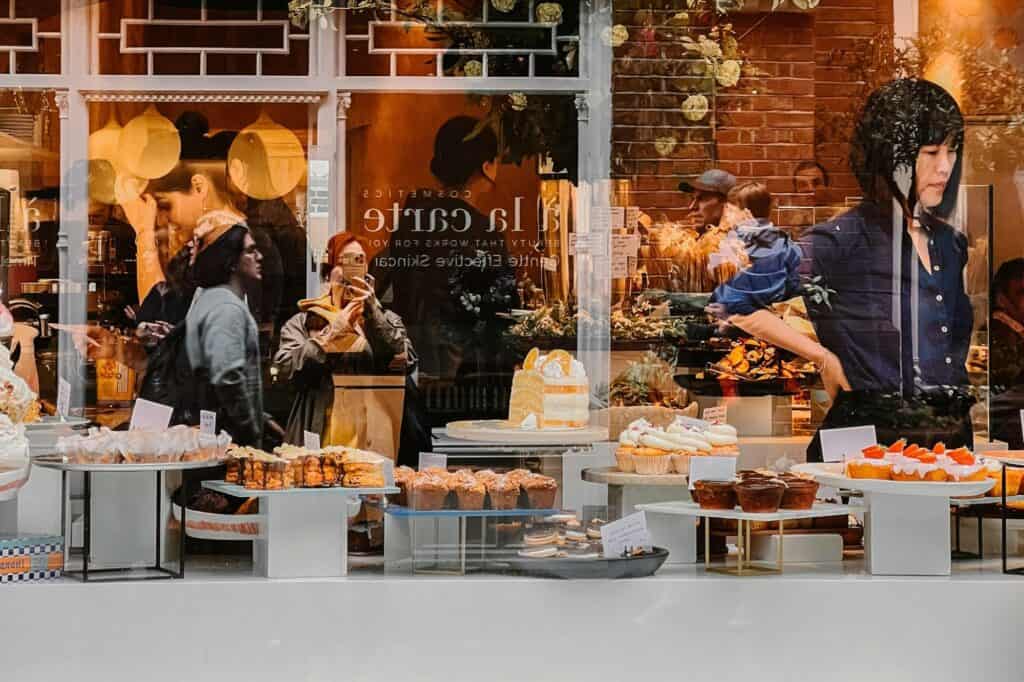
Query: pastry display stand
<point>974,507</point>
<point>628,493</point>
<point>504,432</point>
<point>906,524</point>
<point>107,574</point>
<point>404,528</point>
<point>305,531</point>
<point>743,566</point>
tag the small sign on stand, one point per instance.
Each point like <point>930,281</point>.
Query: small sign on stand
<point>433,460</point>
<point>839,444</point>
<point>150,416</point>
<point>310,440</point>
<point>63,398</point>
<point>623,535</point>
<point>711,468</point>
<point>208,422</point>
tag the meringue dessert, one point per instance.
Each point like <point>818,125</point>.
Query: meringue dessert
<point>648,449</point>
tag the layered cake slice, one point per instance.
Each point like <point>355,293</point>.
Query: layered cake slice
<point>550,392</point>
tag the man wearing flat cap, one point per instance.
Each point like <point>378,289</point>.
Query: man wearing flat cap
<point>709,192</point>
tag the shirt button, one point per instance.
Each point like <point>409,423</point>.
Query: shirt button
<point>932,242</point>
<point>945,329</point>
<point>939,298</point>
<point>949,361</point>
<point>936,268</point>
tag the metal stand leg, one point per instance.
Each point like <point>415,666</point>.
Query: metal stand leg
<point>65,524</point>
<point>159,534</point>
<point>707,543</point>
<point>782,538</point>
<point>981,537</point>
<point>86,534</point>
<point>184,506</point>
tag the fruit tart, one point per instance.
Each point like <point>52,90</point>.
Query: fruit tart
<point>872,463</point>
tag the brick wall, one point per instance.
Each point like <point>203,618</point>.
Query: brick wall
<point>763,128</point>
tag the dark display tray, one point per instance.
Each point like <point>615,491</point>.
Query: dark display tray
<point>713,386</point>
<point>593,569</point>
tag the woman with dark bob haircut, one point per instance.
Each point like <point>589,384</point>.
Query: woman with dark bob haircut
<point>221,338</point>
<point>883,282</point>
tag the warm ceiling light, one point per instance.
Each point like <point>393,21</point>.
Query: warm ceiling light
<point>945,70</point>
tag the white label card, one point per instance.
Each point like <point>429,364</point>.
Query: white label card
<point>624,245</point>
<point>208,422</point>
<point>389,474</point>
<point>433,459</point>
<point>632,217</point>
<point>549,264</point>
<point>618,217</point>
<point>716,415</point>
<point>625,534</point>
<point>711,468</point>
<point>838,445</point>
<point>620,267</point>
<point>150,416</point>
<point>63,397</point>
<point>310,440</point>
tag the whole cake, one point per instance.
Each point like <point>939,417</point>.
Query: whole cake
<point>550,392</point>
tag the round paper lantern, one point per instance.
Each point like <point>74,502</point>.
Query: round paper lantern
<point>102,178</point>
<point>104,143</point>
<point>149,145</point>
<point>266,160</point>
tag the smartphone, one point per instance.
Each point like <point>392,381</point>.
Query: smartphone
<point>353,265</point>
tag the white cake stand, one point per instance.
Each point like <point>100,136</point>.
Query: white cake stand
<point>906,527</point>
<point>503,431</point>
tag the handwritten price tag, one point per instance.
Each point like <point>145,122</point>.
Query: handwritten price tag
<point>150,416</point>
<point>711,468</point>
<point>432,459</point>
<point>208,422</point>
<point>838,445</point>
<point>625,534</point>
<point>310,440</point>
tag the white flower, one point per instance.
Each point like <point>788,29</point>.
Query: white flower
<point>806,4</point>
<point>615,35</point>
<point>549,13</point>
<point>695,107</point>
<point>517,100</point>
<point>473,68</point>
<point>728,73</point>
<point>504,5</point>
<point>298,13</point>
<point>665,145</point>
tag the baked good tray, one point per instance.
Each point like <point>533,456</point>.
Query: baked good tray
<point>593,569</point>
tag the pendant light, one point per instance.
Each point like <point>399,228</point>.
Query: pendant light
<point>266,160</point>
<point>108,182</point>
<point>150,145</point>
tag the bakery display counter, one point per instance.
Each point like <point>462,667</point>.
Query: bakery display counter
<point>304,532</point>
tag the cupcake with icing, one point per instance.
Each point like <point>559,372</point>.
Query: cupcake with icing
<point>961,466</point>
<point>916,469</point>
<point>873,463</point>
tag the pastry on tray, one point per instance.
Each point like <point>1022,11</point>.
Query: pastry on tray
<point>540,491</point>
<point>469,491</point>
<point>403,479</point>
<point>760,496</point>
<point>365,479</point>
<point>503,492</point>
<point>428,492</point>
<point>873,464</point>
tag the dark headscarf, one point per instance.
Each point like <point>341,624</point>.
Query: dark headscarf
<point>898,119</point>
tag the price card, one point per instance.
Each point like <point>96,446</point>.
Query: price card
<point>839,444</point>
<point>624,245</point>
<point>208,422</point>
<point>431,459</point>
<point>618,217</point>
<point>310,440</point>
<point>632,216</point>
<point>620,267</point>
<point>625,534</point>
<point>694,423</point>
<point>389,474</point>
<point>716,415</point>
<point>549,264</point>
<point>711,468</point>
<point>63,397</point>
<point>150,416</point>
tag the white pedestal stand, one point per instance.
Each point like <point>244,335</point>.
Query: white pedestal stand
<point>306,532</point>
<point>627,493</point>
<point>906,526</point>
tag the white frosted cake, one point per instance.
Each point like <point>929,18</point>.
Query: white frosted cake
<point>550,392</point>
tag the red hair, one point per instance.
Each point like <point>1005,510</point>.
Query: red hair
<point>337,244</point>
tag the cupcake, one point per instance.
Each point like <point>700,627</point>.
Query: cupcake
<point>760,496</point>
<point>1014,476</point>
<point>540,491</point>
<point>681,462</point>
<point>651,461</point>
<point>799,493</point>
<point>403,479</point>
<point>715,494</point>
<point>503,492</point>
<point>428,492</point>
<point>624,459</point>
<point>724,439</point>
<point>469,492</point>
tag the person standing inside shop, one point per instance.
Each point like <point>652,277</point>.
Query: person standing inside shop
<point>883,282</point>
<point>710,192</point>
<point>443,248</point>
<point>1006,354</point>
<point>221,338</point>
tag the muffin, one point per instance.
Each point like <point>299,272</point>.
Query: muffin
<point>760,496</point>
<point>469,492</point>
<point>503,492</point>
<point>799,493</point>
<point>428,492</point>
<point>681,462</point>
<point>277,475</point>
<point>403,479</point>
<point>624,459</point>
<point>486,475</point>
<point>312,475</point>
<point>715,494</point>
<point>540,491</point>
<point>518,475</point>
<point>330,467</point>
<point>651,461</point>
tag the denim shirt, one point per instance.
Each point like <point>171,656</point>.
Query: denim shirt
<point>853,256</point>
